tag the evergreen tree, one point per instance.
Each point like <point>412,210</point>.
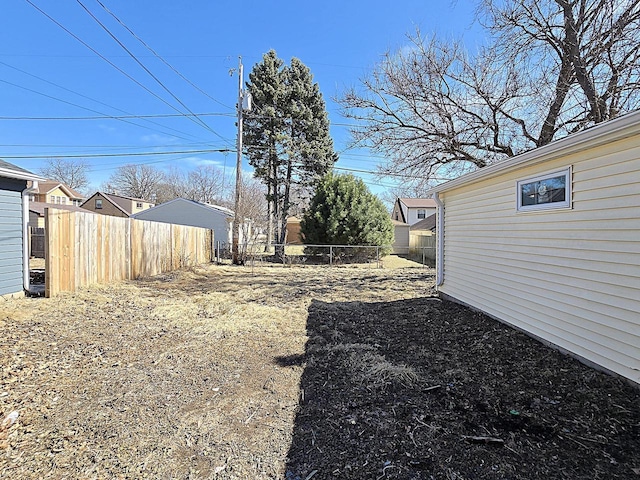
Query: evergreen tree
<point>344,212</point>
<point>286,134</point>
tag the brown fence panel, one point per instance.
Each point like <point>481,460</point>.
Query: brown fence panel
<point>84,248</point>
<point>36,244</point>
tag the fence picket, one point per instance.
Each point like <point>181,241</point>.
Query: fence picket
<point>85,248</point>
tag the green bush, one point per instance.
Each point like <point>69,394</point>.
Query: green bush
<point>344,212</point>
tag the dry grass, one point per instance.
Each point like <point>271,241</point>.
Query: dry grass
<point>176,376</point>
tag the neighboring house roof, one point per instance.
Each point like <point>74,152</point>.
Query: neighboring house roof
<point>603,133</point>
<point>419,202</point>
<point>126,198</point>
<point>205,206</point>
<point>111,198</point>
<point>38,207</point>
<point>106,196</point>
<point>49,185</point>
<point>428,223</point>
<point>9,170</point>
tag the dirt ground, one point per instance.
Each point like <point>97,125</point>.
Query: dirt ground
<point>296,373</point>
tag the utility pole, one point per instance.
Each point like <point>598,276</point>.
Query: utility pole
<point>237,217</point>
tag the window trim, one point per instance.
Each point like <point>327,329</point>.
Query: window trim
<point>98,206</point>
<point>566,204</point>
<point>424,213</point>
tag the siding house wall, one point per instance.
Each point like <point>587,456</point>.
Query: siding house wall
<point>11,235</point>
<point>569,276</point>
<point>185,212</point>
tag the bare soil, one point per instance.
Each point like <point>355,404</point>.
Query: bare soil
<point>296,373</point>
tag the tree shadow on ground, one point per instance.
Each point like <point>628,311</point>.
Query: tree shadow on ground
<point>421,388</point>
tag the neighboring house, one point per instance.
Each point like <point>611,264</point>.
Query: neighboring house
<point>54,192</point>
<point>181,211</point>
<point>424,227</point>
<point>115,205</point>
<point>549,242</point>
<point>400,237</point>
<point>14,252</point>
<point>412,210</point>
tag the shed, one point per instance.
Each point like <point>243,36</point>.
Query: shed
<point>14,256</point>
<point>400,238</point>
<point>549,242</point>
<point>181,211</point>
<point>294,234</point>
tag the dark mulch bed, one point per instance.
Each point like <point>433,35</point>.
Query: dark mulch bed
<point>400,390</point>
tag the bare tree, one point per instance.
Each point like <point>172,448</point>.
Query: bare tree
<point>72,173</point>
<point>205,184</point>
<point>138,181</point>
<point>553,67</point>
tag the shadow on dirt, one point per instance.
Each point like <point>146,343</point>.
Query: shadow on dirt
<point>421,388</point>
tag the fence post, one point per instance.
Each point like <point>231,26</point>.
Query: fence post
<point>378,255</point>
<point>330,255</point>
<point>423,264</point>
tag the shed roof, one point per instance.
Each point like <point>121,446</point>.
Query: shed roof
<point>428,223</point>
<point>616,129</point>
<point>398,223</point>
<point>38,207</point>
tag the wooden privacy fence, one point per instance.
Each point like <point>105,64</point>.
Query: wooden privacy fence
<point>85,248</point>
<point>422,246</point>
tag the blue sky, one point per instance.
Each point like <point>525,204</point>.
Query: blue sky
<point>47,73</point>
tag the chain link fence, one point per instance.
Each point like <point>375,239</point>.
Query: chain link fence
<point>289,254</point>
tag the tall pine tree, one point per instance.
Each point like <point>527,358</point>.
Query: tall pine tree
<point>286,135</point>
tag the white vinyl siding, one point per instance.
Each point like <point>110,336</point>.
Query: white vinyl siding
<point>568,276</point>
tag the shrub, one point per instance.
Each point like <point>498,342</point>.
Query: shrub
<point>344,212</point>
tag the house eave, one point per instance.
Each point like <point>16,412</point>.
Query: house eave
<point>9,173</point>
<point>613,130</point>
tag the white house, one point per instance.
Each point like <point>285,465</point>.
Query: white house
<point>412,210</point>
<point>181,211</point>
<point>549,242</point>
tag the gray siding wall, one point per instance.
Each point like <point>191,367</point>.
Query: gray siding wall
<point>11,236</point>
<point>181,212</point>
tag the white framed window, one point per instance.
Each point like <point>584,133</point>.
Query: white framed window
<point>138,204</point>
<point>545,192</point>
<point>422,213</point>
<point>98,203</point>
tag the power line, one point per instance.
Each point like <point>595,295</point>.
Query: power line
<point>104,115</point>
<point>193,117</point>
<point>97,101</point>
<point>102,56</point>
<point>126,154</point>
<point>121,117</point>
<point>159,57</point>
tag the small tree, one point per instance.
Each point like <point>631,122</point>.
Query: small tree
<point>344,212</point>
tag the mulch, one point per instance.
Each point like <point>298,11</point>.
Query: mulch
<point>488,402</point>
